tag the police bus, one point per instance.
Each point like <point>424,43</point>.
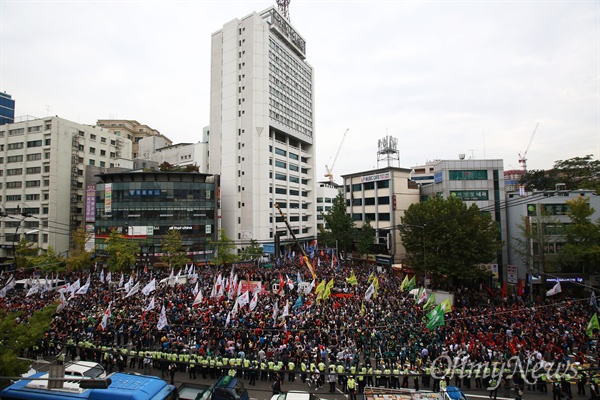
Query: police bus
<point>121,386</point>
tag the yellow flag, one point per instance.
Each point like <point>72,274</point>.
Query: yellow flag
<point>352,279</point>
<point>329,284</point>
<point>404,283</point>
<point>320,287</point>
<point>362,308</point>
<point>326,292</point>
<point>446,306</point>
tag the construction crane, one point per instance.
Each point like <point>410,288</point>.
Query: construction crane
<point>329,173</point>
<point>522,158</point>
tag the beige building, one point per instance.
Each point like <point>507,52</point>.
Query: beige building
<point>133,131</point>
<point>381,196</point>
<point>43,170</point>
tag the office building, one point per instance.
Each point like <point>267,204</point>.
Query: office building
<point>479,182</point>
<point>262,131</point>
<point>381,196</point>
<point>144,206</point>
<point>43,166</point>
<point>326,194</point>
<point>135,132</point>
<point>545,213</point>
<point>7,109</point>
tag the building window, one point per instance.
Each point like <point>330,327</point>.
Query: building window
<point>383,184</point>
<point>92,162</point>
<point>32,197</point>
<point>369,185</point>
<point>357,202</point>
<point>33,170</point>
<point>47,142</point>
<point>277,151</point>
<point>369,201</point>
<point>280,177</point>
<point>14,185</point>
<point>383,200</point>
<point>34,143</point>
<point>47,156</point>
<point>102,164</point>
<point>92,136</point>
<point>280,190</point>
<point>14,146</point>
<point>103,152</point>
<point>467,175</point>
<point>92,150</point>
<point>294,179</point>
<point>102,139</point>
<point>13,197</point>
<point>280,164</point>
<point>34,156</point>
<point>12,159</point>
<point>356,187</point>
<point>14,171</point>
<point>384,216</point>
<point>32,184</point>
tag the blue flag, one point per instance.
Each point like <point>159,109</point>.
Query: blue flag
<point>593,301</point>
<point>299,302</point>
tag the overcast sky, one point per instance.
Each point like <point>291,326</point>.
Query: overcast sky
<point>443,77</point>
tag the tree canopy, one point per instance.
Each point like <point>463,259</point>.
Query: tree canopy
<point>18,333</point>
<point>574,173</point>
<point>445,238</point>
<point>121,252</point>
<point>338,226</point>
<point>581,252</point>
<point>224,249</point>
<point>366,239</point>
<point>172,247</point>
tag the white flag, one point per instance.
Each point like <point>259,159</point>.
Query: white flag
<point>197,299</point>
<point>150,306</point>
<point>195,289</point>
<point>75,286</point>
<point>369,292</point>
<point>228,319</point>
<point>244,299</point>
<point>133,290</point>
<point>275,310</point>
<point>108,277</point>
<point>286,309</point>
<point>122,280</point>
<point>257,288</point>
<point>556,289</point>
<point>102,276</point>
<point>34,289</point>
<point>84,288</point>
<point>105,318</point>
<point>62,302</point>
<point>162,320</point>
<point>129,284</point>
<point>235,309</point>
<point>289,282</point>
<point>310,287</point>
<point>254,301</point>
<point>149,287</point>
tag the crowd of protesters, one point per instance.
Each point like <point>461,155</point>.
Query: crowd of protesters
<point>379,341</point>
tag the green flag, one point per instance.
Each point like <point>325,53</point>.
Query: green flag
<point>593,324</point>
<point>430,302</point>
<point>436,318</point>
<point>411,284</point>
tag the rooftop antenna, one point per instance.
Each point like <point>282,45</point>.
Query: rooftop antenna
<point>47,106</point>
<point>388,150</point>
<point>283,6</point>
<point>472,154</point>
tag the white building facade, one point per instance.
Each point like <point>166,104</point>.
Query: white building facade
<point>43,178</point>
<point>261,138</point>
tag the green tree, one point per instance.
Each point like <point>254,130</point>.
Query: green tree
<point>574,173</point>
<point>79,257</point>
<point>121,252</point>
<point>17,334</point>
<point>172,247</point>
<point>168,167</point>
<point>224,249</point>
<point>448,239</point>
<point>24,254</point>
<point>366,238</point>
<point>48,261</point>
<point>540,230</point>
<point>338,226</point>
<point>252,251</point>
<point>581,252</point>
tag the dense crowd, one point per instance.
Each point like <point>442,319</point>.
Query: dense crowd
<point>382,340</point>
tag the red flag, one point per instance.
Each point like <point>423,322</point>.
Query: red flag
<point>146,268</point>
<point>301,259</point>
<point>281,283</point>
<point>521,288</point>
<point>503,295</point>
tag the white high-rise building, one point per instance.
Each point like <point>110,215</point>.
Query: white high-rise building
<point>262,128</point>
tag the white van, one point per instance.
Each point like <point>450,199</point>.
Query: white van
<point>85,369</point>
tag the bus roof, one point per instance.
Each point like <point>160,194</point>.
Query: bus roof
<point>123,386</point>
